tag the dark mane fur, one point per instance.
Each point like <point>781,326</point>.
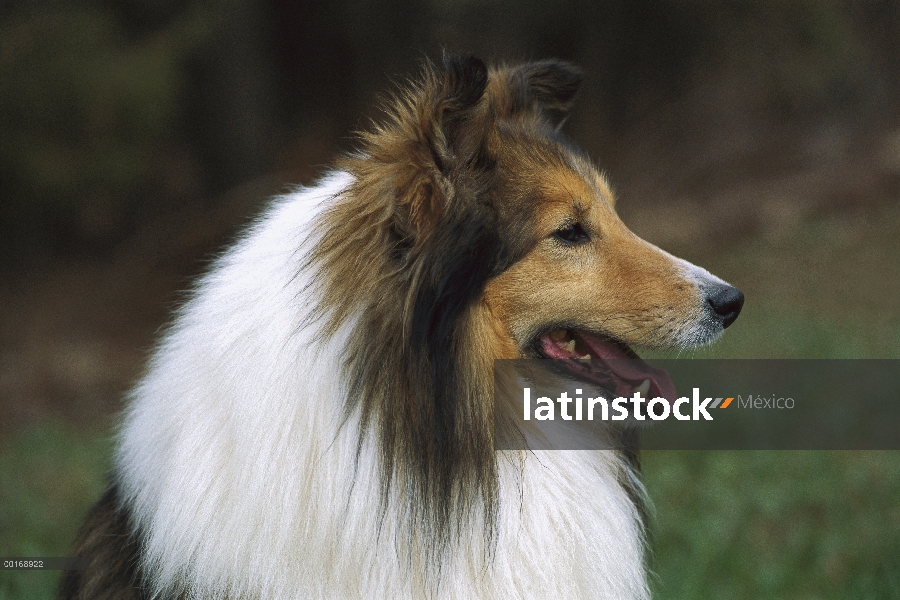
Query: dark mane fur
<point>420,232</point>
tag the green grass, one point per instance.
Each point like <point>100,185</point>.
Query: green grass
<point>776,524</point>
<point>51,475</point>
<point>728,525</point>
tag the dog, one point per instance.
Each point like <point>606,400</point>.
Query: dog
<point>317,421</point>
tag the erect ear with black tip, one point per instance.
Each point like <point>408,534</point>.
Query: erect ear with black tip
<point>463,80</point>
<point>546,88</point>
<point>553,83</point>
<point>444,124</point>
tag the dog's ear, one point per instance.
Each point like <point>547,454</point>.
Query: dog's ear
<point>552,83</point>
<point>444,123</point>
<point>546,88</point>
<point>458,119</point>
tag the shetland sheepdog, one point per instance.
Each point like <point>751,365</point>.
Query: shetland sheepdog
<point>317,422</point>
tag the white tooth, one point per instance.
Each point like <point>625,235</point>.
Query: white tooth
<point>643,388</point>
<point>586,358</point>
<point>570,345</point>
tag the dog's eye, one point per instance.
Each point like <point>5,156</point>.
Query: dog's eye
<point>572,234</point>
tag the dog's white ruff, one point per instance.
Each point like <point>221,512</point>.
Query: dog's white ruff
<point>233,463</point>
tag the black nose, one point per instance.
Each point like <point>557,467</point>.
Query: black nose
<point>726,302</point>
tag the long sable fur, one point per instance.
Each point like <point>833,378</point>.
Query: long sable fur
<point>108,540</point>
<point>411,250</point>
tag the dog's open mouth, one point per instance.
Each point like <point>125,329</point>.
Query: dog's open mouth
<point>609,363</point>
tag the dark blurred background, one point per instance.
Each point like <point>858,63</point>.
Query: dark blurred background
<point>115,114</point>
<point>756,137</point>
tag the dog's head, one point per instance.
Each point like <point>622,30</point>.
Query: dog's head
<point>473,231</point>
<point>491,204</point>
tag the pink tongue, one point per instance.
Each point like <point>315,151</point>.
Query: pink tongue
<point>628,371</point>
<point>631,368</point>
